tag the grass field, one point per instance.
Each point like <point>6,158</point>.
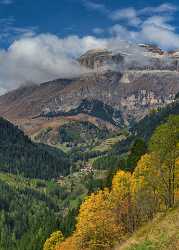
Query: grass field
<point>107,144</point>
<point>160,234</point>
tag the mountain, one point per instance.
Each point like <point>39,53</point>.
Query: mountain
<point>94,59</point>
<point>94,108</point>
<point>146,126</point>
<point>120,89</point>
<point>86,117</point>
<point>19,155</point>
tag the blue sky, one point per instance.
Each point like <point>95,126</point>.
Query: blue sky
<point>66,17</point>
<point>39,40</point>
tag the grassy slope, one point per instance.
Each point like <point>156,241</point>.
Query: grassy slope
<point>160,234</point>
<point>71,134</point>
<point>107,144</point>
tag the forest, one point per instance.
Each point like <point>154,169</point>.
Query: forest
<point>108,217</point>
<point>50,201</point>
<point>19,155</point>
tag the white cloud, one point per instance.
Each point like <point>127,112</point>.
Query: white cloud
<point>120,32</point>
<point>129,14</point>
<point>38,58</point>
<point>2,91</point>
<point>160,33</point>
<point>154,30</point>
<point>95,6</point>
<point>153,25</point>
<point>47,57</point>
<point>159,21</point>
<point>134,17</point>
<point>163,8</point>
<point>42,58</point>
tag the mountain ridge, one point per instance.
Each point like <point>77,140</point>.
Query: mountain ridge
<point>133,90</point>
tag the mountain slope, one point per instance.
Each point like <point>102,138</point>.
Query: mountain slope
<point>144,90</point>
<point>159,234</point>
<point>29,100</point>
<point>145,127</point>
<point>27,209</point>
<point>19,155</point>
<point>131,89</point>
<point>94,108</point>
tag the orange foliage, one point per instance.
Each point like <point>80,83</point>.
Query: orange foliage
<point>97,225</point>
<point>121,185</point>
<point>121,195</point>
<point>68,244</point>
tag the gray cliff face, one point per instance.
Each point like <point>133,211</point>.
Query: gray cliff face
<point>95,59</point>
<point>134,88</point>
<point>134,97</point>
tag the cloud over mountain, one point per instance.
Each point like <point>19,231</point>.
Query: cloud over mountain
<point>43,57</point>
<point>33,57</point>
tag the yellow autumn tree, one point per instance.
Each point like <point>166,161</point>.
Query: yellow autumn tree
<point>68,244</point>
<point>121,196</point>
<point>121,185</point>
<point>147,188</point>
<point>164,144</point>
<point>54,239</point>
<point>97,225</point>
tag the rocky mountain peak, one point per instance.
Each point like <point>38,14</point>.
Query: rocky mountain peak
<point>145,82</point>
<point>152,48</point>
<point>98,58</point>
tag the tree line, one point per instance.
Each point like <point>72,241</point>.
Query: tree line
<point>107,217</point>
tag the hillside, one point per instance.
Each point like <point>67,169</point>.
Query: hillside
<point>88,136</point>
<point>145,127</point>
<point>89,125</point>
<point>141,201</point>
<point>159,234</point>
<point>30,209</point>
<point>19,155</point>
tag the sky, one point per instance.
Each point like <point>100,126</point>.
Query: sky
<point>40,40</point>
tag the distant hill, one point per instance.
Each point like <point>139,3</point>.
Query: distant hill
<point>19,155</point>
<point>72,133</point>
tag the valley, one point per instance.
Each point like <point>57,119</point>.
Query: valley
<point>66,141</point>
<point>89,125</point>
